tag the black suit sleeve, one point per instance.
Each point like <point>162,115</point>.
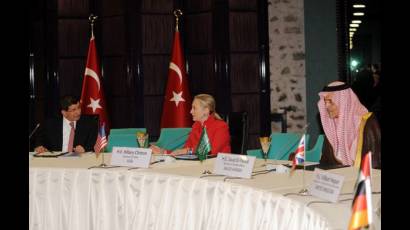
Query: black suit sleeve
<point>86,135</point>
<point>49,134</point>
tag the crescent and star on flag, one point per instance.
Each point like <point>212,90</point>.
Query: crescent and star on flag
<point>94,104</point>
<point>177,97</point>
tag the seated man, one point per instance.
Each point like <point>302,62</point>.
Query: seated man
<point>349,128</point>
<point>70,132</point>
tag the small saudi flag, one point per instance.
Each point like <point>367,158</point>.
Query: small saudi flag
<point>204,147</point>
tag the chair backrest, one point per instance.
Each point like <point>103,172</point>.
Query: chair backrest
<point>283,144</point>
<point>315,153</point>
<point>173,138</point>
<point>123,137</point>
<point>238,130</point>
<point>127,131</point>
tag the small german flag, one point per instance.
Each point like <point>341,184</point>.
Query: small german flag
<point>362,202</point>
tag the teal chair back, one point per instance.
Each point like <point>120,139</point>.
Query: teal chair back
<point>282,145</point>
<point>127,131</point>
<point>123,137</point>
<point>173,138</point>
<point>315,153</point>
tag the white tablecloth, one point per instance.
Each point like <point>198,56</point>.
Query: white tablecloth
<point>64,194</point>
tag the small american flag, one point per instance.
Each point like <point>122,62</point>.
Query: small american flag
<point>101,140</point>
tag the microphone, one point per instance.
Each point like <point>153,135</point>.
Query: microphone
<point>34,130</point>
<point>31,134</point>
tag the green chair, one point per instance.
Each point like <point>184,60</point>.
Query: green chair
<point>315,153</point>
<point>123,137</point>
<point>173,138</point>
<point>282,145</point>
<point>127,131</point>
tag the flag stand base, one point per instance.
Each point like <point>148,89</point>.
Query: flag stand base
<point>303,192</point>
<point>103,166</point>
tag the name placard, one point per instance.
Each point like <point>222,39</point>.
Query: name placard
<point>326,185</point>
<point>131,157</point>
<point>234,165</point>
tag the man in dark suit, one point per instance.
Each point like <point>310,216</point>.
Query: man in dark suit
<point>71,132</point>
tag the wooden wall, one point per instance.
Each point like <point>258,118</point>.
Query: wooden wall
<point>225,44</point>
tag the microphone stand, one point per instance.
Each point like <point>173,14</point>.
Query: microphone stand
<point>31,134</point>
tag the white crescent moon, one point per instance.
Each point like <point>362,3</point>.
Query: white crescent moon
<point>91,73</point>
<point>177,70</point>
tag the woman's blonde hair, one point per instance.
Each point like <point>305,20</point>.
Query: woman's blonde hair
<point>207,101</point>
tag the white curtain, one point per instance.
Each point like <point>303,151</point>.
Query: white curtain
<point>119,199</point>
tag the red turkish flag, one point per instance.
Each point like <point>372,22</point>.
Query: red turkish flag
<point>177,99</point>
<point>92,94</point>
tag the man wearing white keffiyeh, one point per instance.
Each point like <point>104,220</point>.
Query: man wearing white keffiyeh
<point>349,128</point>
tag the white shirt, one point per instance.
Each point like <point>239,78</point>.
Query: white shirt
<point>66,133</point>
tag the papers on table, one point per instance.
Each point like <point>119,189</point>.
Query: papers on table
<point>57,154</point>
<point>50,154</point>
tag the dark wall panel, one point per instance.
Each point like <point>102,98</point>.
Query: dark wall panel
<point>157,34</point>
<point>73,37</point>
<point>113,36</point>
<point>73,8</point>
<point>202,5</point>
<point>244,73</point>
<point>243,4</point>
<point>155,74</point>
<point>116,81</point>
<point>243,31</point>
<point>157,6</point>
<point>198,38</point>
<point>249,103</point>
<point>201,75</point>
<point>122,115</point>
<point>71,73</point>
<point>152,114</point>
<point>112,8</point>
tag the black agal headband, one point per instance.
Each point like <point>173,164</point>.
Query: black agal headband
<point>335,88</point>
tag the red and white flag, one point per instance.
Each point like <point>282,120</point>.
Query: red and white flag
<point>362,211</point>
<point>177,99</point>
<point>92,94</point>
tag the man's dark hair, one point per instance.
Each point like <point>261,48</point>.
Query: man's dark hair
<point>68,100</point>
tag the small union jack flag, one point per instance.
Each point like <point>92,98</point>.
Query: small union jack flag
<point>299,154</point>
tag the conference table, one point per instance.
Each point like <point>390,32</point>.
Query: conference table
<point>175,194</point>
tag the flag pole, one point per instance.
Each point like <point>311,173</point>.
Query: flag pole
<point>304,190</point>
<point>103,165</point>
<point>92,19</point>
<point>177,13</point>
